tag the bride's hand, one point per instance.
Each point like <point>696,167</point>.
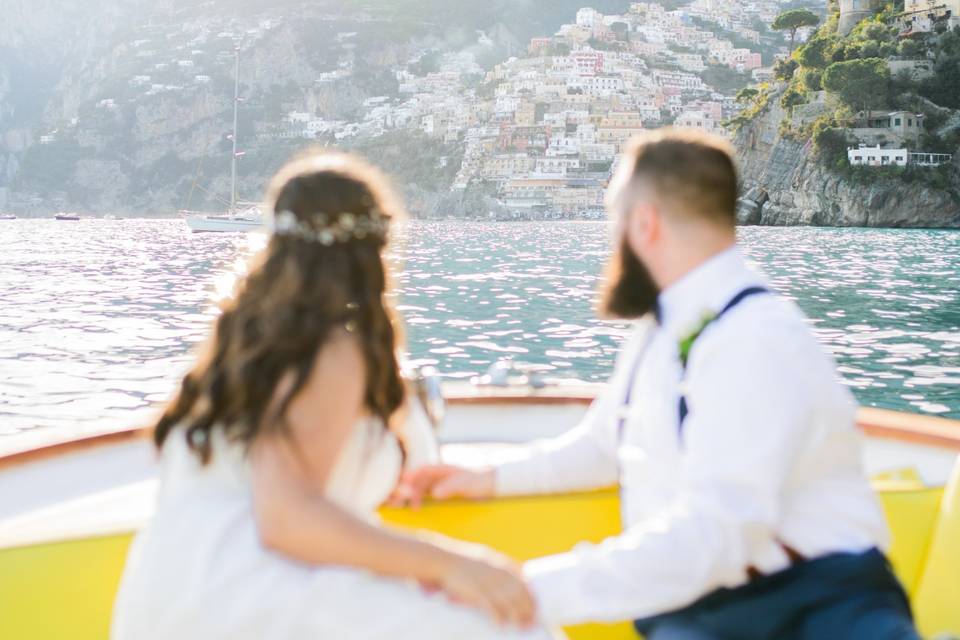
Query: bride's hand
<point>479,577</point>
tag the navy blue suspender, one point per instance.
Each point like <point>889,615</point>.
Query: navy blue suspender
<point>734,301</point>
<point>682,408</point>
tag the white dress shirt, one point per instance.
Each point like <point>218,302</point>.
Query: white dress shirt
<point>769,455</point>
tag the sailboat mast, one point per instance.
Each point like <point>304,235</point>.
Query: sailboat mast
<point>233,156</point>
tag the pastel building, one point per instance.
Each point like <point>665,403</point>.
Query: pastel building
<point>920,15</point>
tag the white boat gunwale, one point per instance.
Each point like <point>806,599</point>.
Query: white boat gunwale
<point>125,474</point>
<point>886,424</point>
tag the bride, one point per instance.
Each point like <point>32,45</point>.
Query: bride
<point>282,441</point>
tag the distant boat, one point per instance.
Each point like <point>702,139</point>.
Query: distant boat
<point>66,216</point>
<point>110,216</point>
<point>7,216</point>
<point>239,217</point>
<point>247,220</point>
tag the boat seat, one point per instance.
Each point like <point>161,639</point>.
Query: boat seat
<point>40,578</point>
<point>912,514</point>
<point>936,601</point>
<point>924,523</point>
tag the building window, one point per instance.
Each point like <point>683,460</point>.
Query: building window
<point>897,122</point>
<point>909,122</point>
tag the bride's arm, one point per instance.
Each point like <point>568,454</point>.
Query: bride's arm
<point>295,518</point>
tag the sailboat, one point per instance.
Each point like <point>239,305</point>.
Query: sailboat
<point>241,216</point>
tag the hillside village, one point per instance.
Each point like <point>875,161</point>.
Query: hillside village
<point>539,132</point>
<point>480,126</point>
<point>545,129</point>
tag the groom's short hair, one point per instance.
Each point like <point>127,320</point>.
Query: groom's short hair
<point>686,171</point>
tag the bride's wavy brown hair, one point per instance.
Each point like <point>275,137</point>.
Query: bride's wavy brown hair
<point>298,292</point>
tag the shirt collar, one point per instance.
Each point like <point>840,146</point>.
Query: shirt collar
<point>704,290</point>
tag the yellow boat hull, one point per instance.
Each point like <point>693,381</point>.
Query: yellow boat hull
<point>66,589</point>
<point>69,510</point>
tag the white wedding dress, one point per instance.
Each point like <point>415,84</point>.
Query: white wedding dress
<point>198,570</point>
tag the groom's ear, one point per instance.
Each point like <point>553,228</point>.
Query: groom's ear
<point>643,226</point>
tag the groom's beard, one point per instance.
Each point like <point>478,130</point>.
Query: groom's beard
<point>629,292</point>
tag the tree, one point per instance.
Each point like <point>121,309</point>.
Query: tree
<point>723,78</point>
<point>783,69</point>
<point>812,80</point>
<point>621,30</point>
<point>861,84</point>
<point>791,98</point>
<point>830,142</point>
<point>911,48</point>
<point>747,94</point>
<point>878,32</point>
<point>793,20</point>
<point>944,87</point>
<point>816,53</point>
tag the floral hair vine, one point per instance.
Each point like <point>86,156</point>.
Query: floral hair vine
<point>330,228</point>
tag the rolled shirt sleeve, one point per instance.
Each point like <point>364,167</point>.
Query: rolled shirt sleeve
<point>586,456</point>
<point>583,458</point>
<point>749,404</point>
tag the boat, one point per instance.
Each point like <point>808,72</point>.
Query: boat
<point>7,216</point>
<point>70,509</point>
<point>250,219</point>
<point>66,216</point>
<point>239,217</point>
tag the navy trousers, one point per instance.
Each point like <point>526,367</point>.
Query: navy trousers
<point>836,597</point>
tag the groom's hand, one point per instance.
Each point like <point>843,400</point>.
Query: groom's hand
<point>441,482</point>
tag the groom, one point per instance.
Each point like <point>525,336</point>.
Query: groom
<point>746,513</point>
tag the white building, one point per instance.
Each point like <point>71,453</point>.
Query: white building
<point>877,156</point>
<point>557,165</point>
<point>588,17</point>
<point>299,116</point>
<point>696,119</point>
<point>920,15</point>
<point>602,86</point>
<point>929,159</point>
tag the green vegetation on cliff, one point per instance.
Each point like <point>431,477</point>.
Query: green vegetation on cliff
<point>831,81</point>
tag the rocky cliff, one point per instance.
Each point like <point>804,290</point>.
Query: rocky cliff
<point>785,184</point>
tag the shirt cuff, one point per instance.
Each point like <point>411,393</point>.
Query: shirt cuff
<point>515,478</point>
<point>555,581</point>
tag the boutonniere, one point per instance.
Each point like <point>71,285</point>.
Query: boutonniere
<point>686,342</point>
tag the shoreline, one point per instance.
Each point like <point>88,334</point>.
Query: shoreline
<point>453,219</point>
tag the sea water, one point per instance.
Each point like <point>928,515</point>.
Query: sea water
<point>100,318</point>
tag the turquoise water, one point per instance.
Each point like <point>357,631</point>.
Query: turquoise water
<point>885,303</point>
<point>98,318</point>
